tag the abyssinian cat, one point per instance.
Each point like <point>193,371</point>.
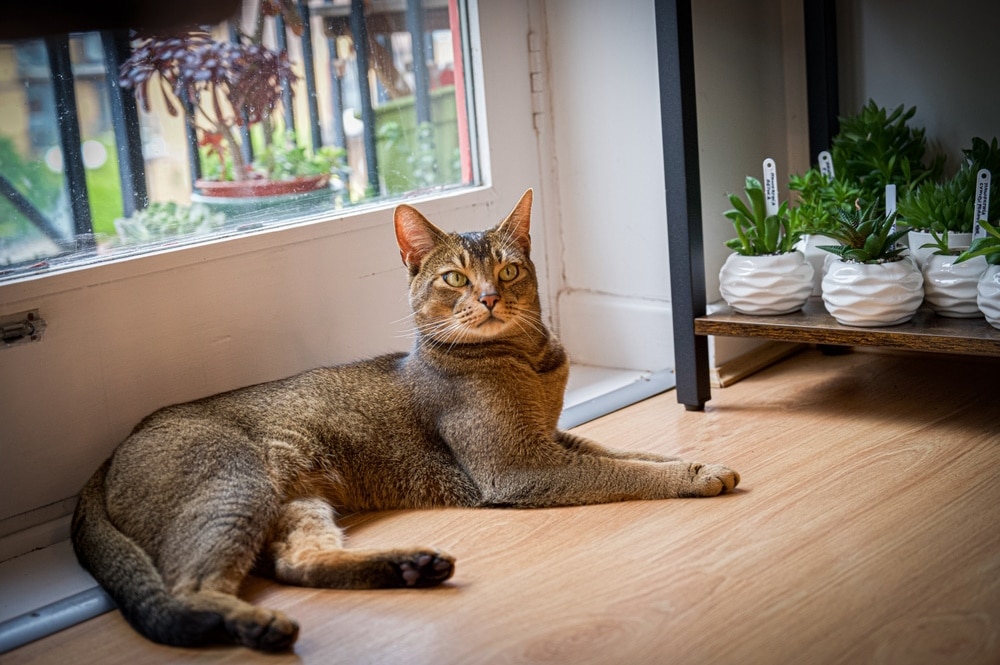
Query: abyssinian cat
<point>202,493</point>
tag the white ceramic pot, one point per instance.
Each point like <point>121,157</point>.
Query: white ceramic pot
<point>989,295</point>
<point>809,246</point>
<point>776,284</point>
<point>873,294</point>
<point>950,288</point>
<point>917,238</point>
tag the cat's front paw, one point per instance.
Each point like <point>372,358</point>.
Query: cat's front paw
<point>712,479</point>
<point>426,569</point>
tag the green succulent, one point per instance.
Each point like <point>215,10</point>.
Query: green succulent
<point>983,155</point>
<point>757,233</point>
<point>939,243</point>
<point>820,201</point>
<point>164,221</point>
<point>950,205</point>
<point>941,206</point>
<point>866,235</point>
<point>876,148</point>
<point>987,246</point>
<point>284,159</point>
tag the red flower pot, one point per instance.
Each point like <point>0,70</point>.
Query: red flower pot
<point>230,189</point>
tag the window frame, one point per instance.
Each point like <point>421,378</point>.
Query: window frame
<point>486,191</point>
<point>111,352</point>
<point>115,47</point>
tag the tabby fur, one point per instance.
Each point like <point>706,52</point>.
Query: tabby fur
<point>202,493</point>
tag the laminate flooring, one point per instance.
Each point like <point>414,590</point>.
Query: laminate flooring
<point>866,529</point>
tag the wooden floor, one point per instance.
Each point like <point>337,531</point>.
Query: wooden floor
<point>866,530</point>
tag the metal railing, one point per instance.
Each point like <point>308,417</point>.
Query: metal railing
<point>338,20</point>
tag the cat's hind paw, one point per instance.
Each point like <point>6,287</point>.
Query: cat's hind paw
<point>426,569</point>
<point>263,629</point>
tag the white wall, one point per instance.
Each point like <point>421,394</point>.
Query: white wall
<point>740,50</point>
<point>128,337</point>
<point>939,57</point>
<point>614,308</point>
<point>749,74</point>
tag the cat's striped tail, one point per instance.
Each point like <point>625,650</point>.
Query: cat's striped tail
<point>128,575</point>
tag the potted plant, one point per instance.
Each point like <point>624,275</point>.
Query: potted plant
<point>161,221</point>
<point>221,88</point>
<point>765,274</point>
<point>948,208</point>
<point>871,283</point>
<point>988,290</point>
<point>950,285</point>
<point>945,209</point>
<point>816,213</point>
<point>875,148</point>
<point>283,159</point>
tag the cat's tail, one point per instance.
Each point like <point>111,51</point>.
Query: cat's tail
<point>128,575</point>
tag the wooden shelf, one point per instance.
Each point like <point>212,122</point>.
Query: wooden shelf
<point>685,233</point>
<point>925,332</point>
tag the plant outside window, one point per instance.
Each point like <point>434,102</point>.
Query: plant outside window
<point>273,117</point>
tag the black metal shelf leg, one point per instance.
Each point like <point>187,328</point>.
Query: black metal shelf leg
<point>683,193</point>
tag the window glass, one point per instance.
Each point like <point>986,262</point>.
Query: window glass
<point>113,144</point>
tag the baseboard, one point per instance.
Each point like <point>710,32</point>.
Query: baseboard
<point>610,390</point>
<point>744,365</point>
<point>34,538</point>
<point>33,529</point>
<point>616,331</point>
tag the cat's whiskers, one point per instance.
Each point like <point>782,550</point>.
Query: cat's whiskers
<point>443,331</point>
<point>410,331</point>
<point>524,315</point>
<point>465,327</point>
<point>407,317</point>
<point>525,325</point>
<point>437,328</point>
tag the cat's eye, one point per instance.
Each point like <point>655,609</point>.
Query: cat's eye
<point>509,272</point>
<point>456,279</point>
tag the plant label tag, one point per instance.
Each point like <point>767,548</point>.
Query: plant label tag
<point>770,187</point>
<point>982,202</point>
<point>890,203</point>
<point>826,165</point>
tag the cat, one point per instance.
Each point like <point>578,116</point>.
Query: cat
<point>202,493</point>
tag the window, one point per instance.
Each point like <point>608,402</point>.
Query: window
<point>273,118</point>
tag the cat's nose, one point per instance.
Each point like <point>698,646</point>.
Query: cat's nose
<point>489,299</point>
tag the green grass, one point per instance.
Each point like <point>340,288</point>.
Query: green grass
<point>105,192</point>
<point>42,187</point>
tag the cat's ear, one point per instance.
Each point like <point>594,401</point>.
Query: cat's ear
<point>415,235</point>
<point>517,225</point>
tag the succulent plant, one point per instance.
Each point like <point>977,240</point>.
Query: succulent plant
<point>757,233</point>
<point>941,206</point>
<point>939,243</point>
<point>950,205</point>
<point>866,235</point>
<point>876,148</point>
<point>983,155</point>
<point>167,220</point>
<point>820,201</point>
<point>284,159</point>
<point>987,246</point>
